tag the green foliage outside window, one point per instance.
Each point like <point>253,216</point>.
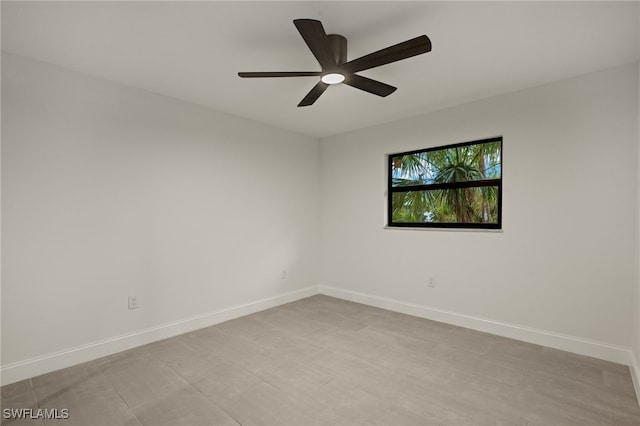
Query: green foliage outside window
<point>452,186</point>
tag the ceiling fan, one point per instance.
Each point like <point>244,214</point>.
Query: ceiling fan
<point>331,52</point>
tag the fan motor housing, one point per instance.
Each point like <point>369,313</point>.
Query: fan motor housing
<point>339,48</point>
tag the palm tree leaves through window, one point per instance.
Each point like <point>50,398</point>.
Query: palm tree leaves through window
<point>451,186</point>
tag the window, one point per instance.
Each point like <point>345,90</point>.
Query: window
<point>453,186</point>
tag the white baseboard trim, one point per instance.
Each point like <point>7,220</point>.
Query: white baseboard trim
<point>550,339</point>
<point>33,367</point>
<point>635,375</point>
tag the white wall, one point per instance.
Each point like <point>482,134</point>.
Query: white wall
<point>635,367</point>
<point>110,191</point>
<point>565,260</point>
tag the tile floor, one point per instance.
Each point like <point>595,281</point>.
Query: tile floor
<point>325,361</point>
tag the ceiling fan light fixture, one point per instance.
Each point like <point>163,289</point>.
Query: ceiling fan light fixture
<point>332,78</point>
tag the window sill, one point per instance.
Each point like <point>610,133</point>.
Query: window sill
<point>419,228</point>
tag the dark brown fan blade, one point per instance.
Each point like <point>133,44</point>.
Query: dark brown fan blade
<point>313,34</point>
<point>397,52</point>
<point>369,85</point>
<point>314,94</point>
<point>280,74</point>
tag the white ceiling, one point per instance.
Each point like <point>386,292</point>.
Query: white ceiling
<point>193,51</point>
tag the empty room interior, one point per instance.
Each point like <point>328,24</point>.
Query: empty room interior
<point>320,213</point>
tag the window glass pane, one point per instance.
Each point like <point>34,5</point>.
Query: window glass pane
<point>456,164</point>
<point>461,205</point>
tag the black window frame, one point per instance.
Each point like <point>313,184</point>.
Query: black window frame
<point>453,185</point>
